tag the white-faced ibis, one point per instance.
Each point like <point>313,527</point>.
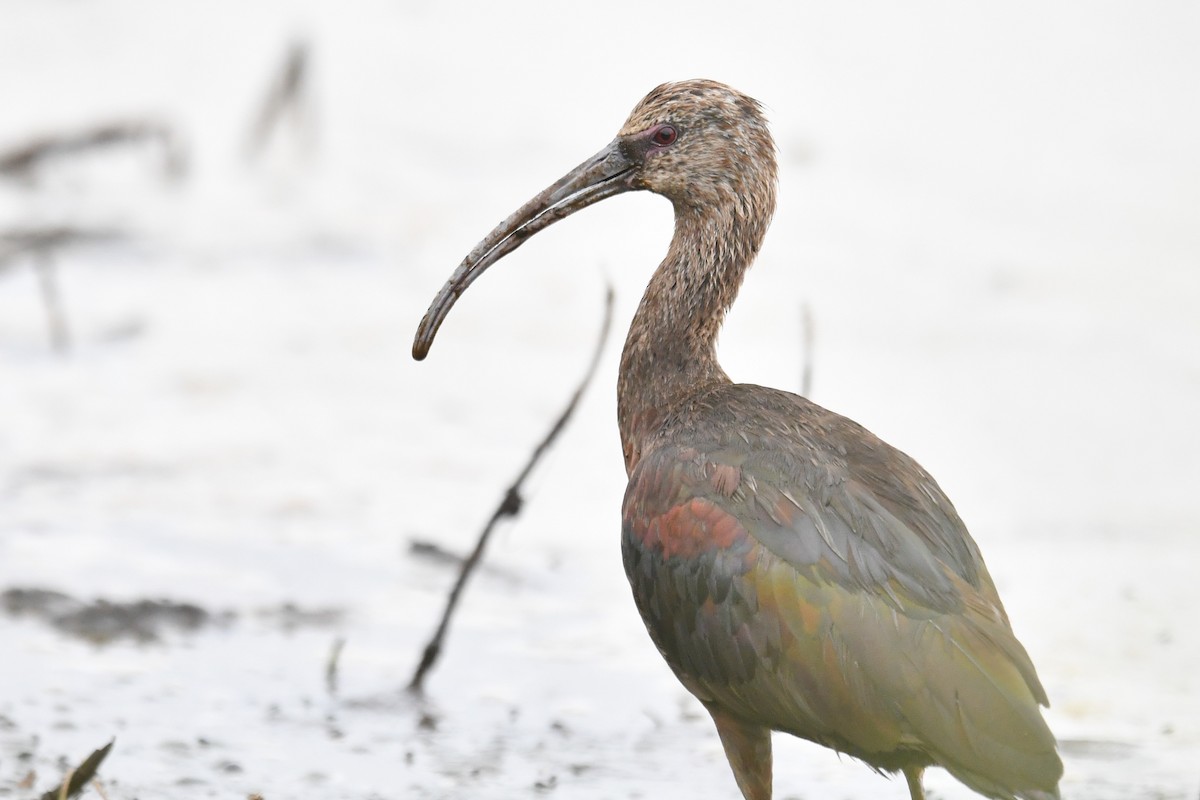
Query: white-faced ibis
<point>797,573</point>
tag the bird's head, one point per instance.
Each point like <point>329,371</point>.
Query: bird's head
<point>699,143</point>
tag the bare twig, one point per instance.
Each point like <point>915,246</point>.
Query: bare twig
<point>79,777</point>
<point>510,505</point>
<point>22,160</point>
<point>288,94</point>
<point>41,244</point>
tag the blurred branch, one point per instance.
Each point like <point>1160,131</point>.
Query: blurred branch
<point>22,160</point>
<point>40,244</point>
<point>510,505</point>
<point>289,95</point>
<point>19,241</point>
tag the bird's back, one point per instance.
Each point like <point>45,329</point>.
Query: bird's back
<point>799,573</point>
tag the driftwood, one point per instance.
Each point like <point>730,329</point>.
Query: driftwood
<point>509,506</point>
<point>24,159</point>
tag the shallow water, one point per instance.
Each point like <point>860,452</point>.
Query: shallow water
<point>990,213</point>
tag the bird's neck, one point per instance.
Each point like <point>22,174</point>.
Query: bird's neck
<point>670,353</point>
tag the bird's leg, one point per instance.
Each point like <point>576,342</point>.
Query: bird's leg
<point>748,748</point>
<point>913,776</point>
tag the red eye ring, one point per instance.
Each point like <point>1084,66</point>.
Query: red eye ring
<point>664,135</point>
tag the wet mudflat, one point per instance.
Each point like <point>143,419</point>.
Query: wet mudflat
<point>211,493</point>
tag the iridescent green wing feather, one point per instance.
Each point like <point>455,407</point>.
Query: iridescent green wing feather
<point>796,583</point>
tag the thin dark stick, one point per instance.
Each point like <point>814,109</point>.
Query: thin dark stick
<point>286,95</point>
<point>41,244</point>
<point>23,159</point>
<point>510,506</point>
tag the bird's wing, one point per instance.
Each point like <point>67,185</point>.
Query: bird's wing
<point>791,591</point>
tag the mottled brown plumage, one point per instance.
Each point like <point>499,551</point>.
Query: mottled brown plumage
<point>796,572</point>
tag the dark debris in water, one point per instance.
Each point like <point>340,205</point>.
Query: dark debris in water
<point>103,621</point>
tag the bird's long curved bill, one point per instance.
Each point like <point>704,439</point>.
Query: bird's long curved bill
<point>605,174</point>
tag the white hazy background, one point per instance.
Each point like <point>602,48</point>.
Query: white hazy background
<point>992,212</point>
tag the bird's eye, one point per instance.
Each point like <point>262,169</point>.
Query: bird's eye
<point>664,136</point>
